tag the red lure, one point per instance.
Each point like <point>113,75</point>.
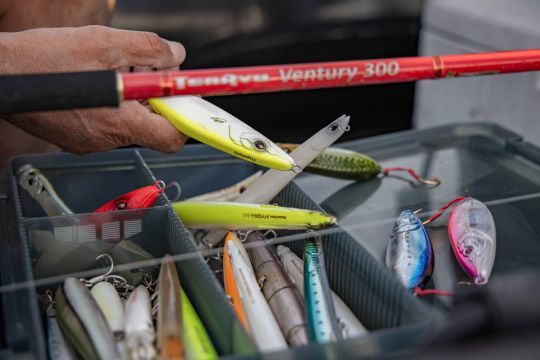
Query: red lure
<point>140,198</point>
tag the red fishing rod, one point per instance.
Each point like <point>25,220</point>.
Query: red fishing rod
<point>107,88</point>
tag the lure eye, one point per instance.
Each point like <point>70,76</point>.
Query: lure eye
<point>121,205</point>
<point>259,145</point>
<point>333,127</point>
<point>468,250</point>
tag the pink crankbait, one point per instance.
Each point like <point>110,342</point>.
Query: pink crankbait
<point>471,229</point>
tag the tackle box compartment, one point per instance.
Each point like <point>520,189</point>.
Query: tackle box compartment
<point>352,251</point>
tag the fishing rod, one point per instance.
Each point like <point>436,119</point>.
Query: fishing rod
<point>108,88</point>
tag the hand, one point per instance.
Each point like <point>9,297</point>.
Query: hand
<point>93,48</point>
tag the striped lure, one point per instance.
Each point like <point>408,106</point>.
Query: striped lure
<point>322,321</point>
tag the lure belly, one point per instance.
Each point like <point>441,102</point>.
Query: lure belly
<point>409,255</point>
<point>323,325</point>
<point>170,341</point>
<point>229,193</point>
<point>207,123</point>
<point>264,328</point>
<point>471,229</point>
<point>239,216</point>
<point>111,306</point>
<point>83,322</point>
<point>197,342</point>
<point>281,294</point>
<point>340,163</point>
<point>140,333</point>
<point>350,326</point>
<point>272,182</point>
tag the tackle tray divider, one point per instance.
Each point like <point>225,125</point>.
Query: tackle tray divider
<point>226,332</point>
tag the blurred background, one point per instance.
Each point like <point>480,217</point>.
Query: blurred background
<point>225,33</point>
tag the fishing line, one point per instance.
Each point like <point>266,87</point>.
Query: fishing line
<point>431,182</point>
<point>443,208</point>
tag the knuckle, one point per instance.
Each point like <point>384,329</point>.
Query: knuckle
<point>154,42</point>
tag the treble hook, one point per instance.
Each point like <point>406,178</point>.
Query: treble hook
<point>99,278</point>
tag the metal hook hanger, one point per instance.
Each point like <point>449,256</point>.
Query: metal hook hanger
<point>99,278</point>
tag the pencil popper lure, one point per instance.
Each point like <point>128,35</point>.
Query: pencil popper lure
<point>169,323</point>
<point>140,333</point>
<point>239,216</point>
<point>207,123</point>
<point>279,291</point>
<point>83,323</point>
<point>350,326</point>
<point>264,328</point>
<point>472,234</point>
<point>272,182</point>
<point>351,165</point>
<point>409,254</point>
<point>111,306</point>
<point>322,321</point>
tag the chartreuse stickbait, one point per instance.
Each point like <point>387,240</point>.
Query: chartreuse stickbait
<point>409,255</point>
<point>197,342</point>
<point>272,182</point>
<point>207,123</point>
<point>350,326</point>
<point>322,321</point>
<point>239,216</point>
<point>281,294</point>
<point>264,328</point>
<point>170,341</point>
<point>352,165</point>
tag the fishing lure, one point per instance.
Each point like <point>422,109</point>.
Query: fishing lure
<point>197,342</point>
<point>207,123</point>
<point>350,326</point>
<point>279,291</point>
<point>83,322</point>
<point>140,333</point>
<point>140,198</point>
<point>229,193</point>
<point>58,347</point>
<point>109,302</point>
<point>409,254</point>
<point>322,321</point>
<point>351,165</point>
<point>272,182</point>
<point>39,187</point>
<point>170,341</point>
<point>231,288</point>
<point>239,216</point>
<point>264,328</point>
<point>471,230</point>
<point>340,163</point>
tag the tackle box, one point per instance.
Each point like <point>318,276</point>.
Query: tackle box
<point>480,160</point>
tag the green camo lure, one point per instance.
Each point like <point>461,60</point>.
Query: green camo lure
<point>351,165</point>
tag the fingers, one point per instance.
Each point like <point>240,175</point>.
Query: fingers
<point>145,49</point>
<point>153,131</point>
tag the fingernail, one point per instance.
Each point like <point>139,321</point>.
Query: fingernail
<point>178,50</point>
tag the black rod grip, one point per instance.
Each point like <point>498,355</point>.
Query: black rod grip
<point>58,91</point>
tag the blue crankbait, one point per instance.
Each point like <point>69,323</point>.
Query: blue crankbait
<point>409,254</point>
